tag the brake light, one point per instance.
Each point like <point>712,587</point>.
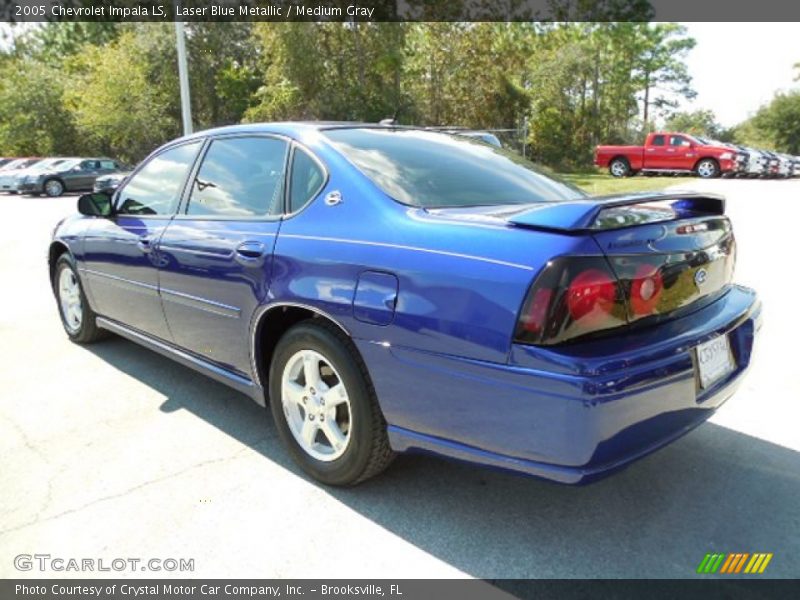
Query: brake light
<point>534,318</point>
<point>591,295</point>
<point>571,297</point>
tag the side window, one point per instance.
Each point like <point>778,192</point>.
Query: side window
<point>658,140</point>
<point>107,164</point>
<point>240,177</point>
<point>156,188</point>
<point>306,179</point>
<point>678,141</point>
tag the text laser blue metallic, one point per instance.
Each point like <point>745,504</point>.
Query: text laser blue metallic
<point>387,289</point>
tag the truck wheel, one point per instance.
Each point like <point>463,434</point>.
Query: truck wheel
<point>619,167</point>
<point>707,168</point>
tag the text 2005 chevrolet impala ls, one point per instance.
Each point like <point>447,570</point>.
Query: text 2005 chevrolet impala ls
<point>388,289</point>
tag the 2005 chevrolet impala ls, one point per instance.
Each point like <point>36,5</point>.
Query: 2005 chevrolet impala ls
<point>388,289</point>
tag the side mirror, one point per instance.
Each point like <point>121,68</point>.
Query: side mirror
<point>95,205</point>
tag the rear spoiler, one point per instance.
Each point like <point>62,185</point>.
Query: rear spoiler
<point>617,211</point>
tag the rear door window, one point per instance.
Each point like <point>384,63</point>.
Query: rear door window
<point>240,177</point>
<point>306,180</point>
<point>658,141</point>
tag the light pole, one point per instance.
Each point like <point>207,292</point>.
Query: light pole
<point>183,75</point>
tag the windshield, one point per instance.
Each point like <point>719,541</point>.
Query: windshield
<point>436,170</point>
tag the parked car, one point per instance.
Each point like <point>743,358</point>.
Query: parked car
<point>785,165</point>
<point>756,162</point>
<point>670,153</point>
<point>9,172</point>
<point>773,165</point>
<point>4,161</point>
<point>394,289</point>
<point>38,167</point>
<point>70,176</point>
<point>107,184</point>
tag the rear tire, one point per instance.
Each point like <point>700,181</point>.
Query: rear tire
<point>619,167</point>
<point>77,317</point>
<point>325,407</point>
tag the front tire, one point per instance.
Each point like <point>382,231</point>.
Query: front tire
<point>619,167</point>
<point>77,317</point>
<point>707,168</point>
<point>325,407</point>
<point>53,188</point>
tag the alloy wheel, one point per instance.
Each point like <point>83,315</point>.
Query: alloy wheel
<point>316,405</point>
<point>53,188</point>
<point>69,297</point>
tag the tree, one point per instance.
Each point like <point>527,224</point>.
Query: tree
<point>33,120</point>
<point>776,125</point>
<point>699,122</point>
<point>124,96</point>
<point>660,67</point>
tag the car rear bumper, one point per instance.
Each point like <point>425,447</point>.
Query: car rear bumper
<point>571,414</point>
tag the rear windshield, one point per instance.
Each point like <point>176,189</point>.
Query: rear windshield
<point>437,170</point>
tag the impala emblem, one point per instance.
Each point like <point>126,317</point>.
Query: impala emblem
<point>700,277</point>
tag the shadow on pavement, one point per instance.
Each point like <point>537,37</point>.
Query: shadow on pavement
<point>715,490</point>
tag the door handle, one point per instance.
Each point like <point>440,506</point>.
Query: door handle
<point>145,243</point>
<point>248,253</point>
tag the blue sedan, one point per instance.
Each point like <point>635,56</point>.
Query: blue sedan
<point>387,289</point>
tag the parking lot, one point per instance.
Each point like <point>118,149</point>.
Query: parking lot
<point>113,451</point>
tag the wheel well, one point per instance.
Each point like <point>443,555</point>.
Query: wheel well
<point>620,157</point>
<point>56,250</point>
<point>270,329</point>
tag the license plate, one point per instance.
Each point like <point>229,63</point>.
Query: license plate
<point>714,360</point>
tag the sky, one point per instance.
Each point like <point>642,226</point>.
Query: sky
<point>737,67</point>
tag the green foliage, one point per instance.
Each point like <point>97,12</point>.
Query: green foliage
<point>775,126</point>
<point>113,88</point>
<point>699,122</point>
<point>123,96</point>
<point>33,119</point>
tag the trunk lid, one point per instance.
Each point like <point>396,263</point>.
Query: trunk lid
<point>669,251</point>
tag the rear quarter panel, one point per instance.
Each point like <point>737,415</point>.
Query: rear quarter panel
<point>461,282</point>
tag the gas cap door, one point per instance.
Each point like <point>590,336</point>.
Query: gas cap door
<point>375,298</point>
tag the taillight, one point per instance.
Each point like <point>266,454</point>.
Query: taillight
<point>573,296</point>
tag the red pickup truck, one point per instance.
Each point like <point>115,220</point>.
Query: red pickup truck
<point>668,152</point>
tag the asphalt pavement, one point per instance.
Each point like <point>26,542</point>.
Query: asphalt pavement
<point>111,451</point>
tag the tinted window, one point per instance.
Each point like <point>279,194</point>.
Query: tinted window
<point>107,164</point>
<point>240,177</point>
<point>156,188</point>
<point>306,180</point>
<point>658,141</point>
<point>679,141</point>
<point>429,169</point>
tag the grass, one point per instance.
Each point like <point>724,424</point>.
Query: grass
<point>600,184</point>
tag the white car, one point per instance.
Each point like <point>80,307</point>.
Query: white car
<point>756,162</point>
<point>9,172</point>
